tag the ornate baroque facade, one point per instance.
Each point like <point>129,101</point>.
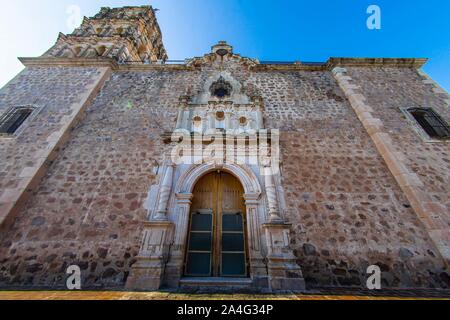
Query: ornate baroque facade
<point>220,171</point>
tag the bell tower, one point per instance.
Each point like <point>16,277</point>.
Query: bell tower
<point>127,35</point>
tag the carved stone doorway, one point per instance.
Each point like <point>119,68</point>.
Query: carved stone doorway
<point>164,255</point>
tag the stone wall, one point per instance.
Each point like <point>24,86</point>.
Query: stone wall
<point>347,209</point>
<point>89,208</point>
<point>388,90</point>
<point>27,237</point>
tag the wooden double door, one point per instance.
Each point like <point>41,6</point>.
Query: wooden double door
<point>217,238</point>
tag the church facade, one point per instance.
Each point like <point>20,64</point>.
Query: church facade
<point>220,170</point>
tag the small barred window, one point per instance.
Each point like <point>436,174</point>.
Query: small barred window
<point>221,88</point>
<point>431,123</point>
<point>13,119</point>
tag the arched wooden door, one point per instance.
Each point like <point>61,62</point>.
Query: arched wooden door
<point>217,238</point>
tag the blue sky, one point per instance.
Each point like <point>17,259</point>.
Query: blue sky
<point>268,30</point>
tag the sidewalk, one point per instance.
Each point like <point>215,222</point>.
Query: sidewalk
<point>115,295</point>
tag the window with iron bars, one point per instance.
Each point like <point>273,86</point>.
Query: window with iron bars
<point>14,118</point>
<point>431,122</point>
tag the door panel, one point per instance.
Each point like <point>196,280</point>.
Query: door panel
<point>217,239</point>
<point>232,242</point>
<point>200,245</point>
<point>233,265</point>
<point>233,246</point>
<point>199,265</point>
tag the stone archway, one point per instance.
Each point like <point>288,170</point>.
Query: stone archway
<point>191,176</point>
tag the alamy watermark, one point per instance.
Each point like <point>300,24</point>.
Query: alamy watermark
<point>73,282</point>
<point>374,281</point>
<point>74,17</point>
<point>374,20</point>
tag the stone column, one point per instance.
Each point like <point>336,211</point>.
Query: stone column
<point>185,123</point>
<point>284,272</point>
<point>259,119</point>
<point>175,266</point>
<point>252,126</point>
<point>228,124</point>
<point>241,147</point>
<point>164,194</point>
<point>180,119</point>
<point>230,151</point>
<point>182,115</point>
<point>258,269</point>
<point>253,158</point>
<point>272,199</point>
<point>148,272</point>
<point>211,122</point>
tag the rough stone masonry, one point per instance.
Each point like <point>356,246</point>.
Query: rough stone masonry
<point>361,181</point>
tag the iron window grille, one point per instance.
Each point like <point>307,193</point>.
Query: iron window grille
<point>431,123</point>
<point>14,118</point>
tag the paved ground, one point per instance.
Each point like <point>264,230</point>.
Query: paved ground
<point>317,295</point>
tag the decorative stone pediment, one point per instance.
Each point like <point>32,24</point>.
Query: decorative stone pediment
<point>222,105</point>
<point>221,54</point>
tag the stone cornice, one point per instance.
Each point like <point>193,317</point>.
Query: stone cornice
<point>69,62</point>
<point>98,62</point>
<point>296,66</point>
<point>415,63</point>
<point>149,67</point>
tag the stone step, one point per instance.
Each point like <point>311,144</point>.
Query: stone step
<point>216,283</point>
